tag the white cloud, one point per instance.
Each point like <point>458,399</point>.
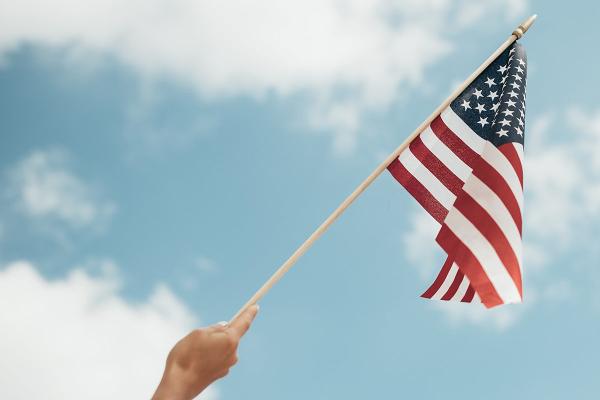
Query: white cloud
<point>349,56</point>
<point>499,318</point>
<point>45,188</point>
<point>585,133</point>
<point>419,245</point>
<point>562,176</point>
<point>76,338</point>
<point>544,181</point>
<point>562,188</point>
<point>472,11</point>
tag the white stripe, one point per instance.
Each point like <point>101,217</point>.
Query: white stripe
<point>470,236</point>
<point>462,289</point>
<point>445,155</point>
<point>520,152</point>
<point>427,179</point>
<point>519,148</point>
<point>491,203</point>
<point>487,150</point>
<point>447,282</point>
<point>500,163</point>
<point>463,131</point>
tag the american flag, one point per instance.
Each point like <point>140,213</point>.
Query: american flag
<point>466,170</point>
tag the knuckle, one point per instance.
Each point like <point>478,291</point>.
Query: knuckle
<point>223,373</point>
<point>246,324</point>
<point>231,341</point>
<point>172,356</point>
<point>196,338</point>
<point>196,334</point>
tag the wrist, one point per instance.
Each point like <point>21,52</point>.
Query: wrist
<point>174,385</point>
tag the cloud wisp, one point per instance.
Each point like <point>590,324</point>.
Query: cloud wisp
<point>44,188</point>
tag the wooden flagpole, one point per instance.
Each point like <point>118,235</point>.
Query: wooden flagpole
<point>285,267</point>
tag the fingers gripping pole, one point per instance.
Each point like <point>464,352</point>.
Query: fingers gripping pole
<point>285,267</point>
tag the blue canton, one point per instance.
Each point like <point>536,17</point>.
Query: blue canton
<point>494,103</point>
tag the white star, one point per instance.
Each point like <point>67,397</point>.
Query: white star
<point>515,85</point>
<point>504,78</point>
<point>520,69</point>
<point>495,107</point>
<point>492,95</point>
<point>517,77</point>
<point>519,131</point>
<point>521,122</point>
<point>511,51</point>
<point>502,132</point>
<point>490,82</point>
<point>502,69</point>
<point>521,61</point>
<point>505,122</point>
<point>510,103</point>
<point>466,105</point>
<point>508,112</point>
<point>483,122</point>
<point>514,94</point>
<point>480,108</point>
<point>477,93</point>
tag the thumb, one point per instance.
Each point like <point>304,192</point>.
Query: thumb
<point>240,325</point>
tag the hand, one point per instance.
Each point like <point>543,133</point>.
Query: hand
<point>202,357</point>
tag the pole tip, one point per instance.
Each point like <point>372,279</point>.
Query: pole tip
<point>525,25</point>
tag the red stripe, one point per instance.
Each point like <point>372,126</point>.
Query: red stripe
<point>481,168</point>
<point>454,286</point>
<point>453,142</point>
<point>417,190</point>
<point>482,220</point>
<point>435,286</point>
<point>468,297</point>
<point>492,178</point>
<point>469,265</point>
<point>511,155</point>
<point>433,164</point>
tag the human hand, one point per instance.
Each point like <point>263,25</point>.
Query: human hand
<point>202,357</point>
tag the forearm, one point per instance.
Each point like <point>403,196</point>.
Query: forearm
<point>176,384</point>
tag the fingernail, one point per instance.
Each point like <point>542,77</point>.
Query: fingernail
<point>223,323</point>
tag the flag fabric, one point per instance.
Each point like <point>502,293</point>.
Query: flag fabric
<point>466,170</point>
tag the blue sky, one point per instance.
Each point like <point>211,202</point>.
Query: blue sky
<point>159,160</point>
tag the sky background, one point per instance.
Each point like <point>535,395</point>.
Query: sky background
<point>160,159</point>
